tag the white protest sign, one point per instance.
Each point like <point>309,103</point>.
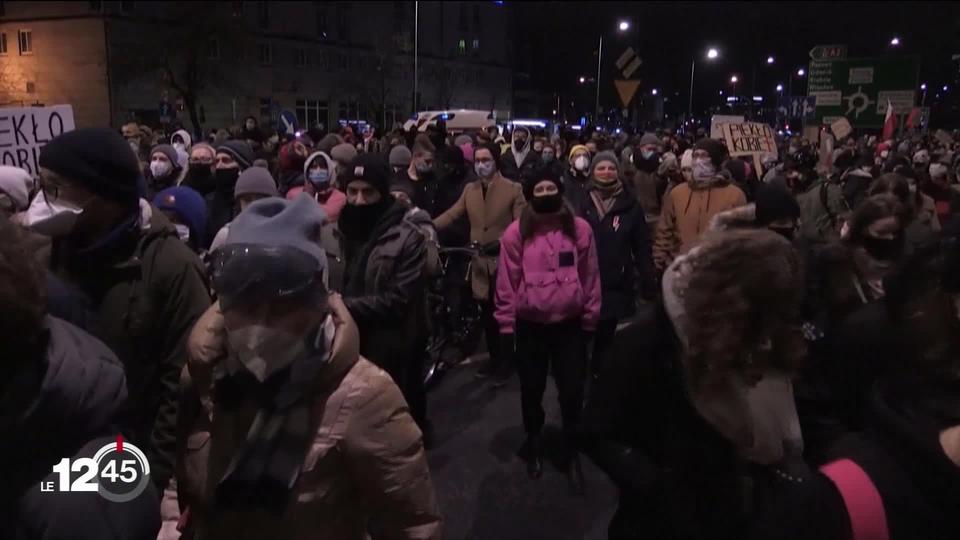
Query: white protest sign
<point>841,128</point>
<point>717,122</point>
<point>25,130</point>
<point>749,139</point>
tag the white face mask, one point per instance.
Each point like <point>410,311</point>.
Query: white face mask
<point>264,350</point>
<point>160,169</point>
<point>703,169</point>
<point>581,163</point>
<point>183,232</point>
<point>179,147</point>
<point>51,219</point>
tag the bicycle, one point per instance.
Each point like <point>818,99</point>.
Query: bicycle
<point>452,329</point>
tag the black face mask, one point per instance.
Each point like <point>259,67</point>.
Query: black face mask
<point>358,222</point>
<point>646,165</point>
<point>546,204</point>
<point>226,179</point>
<point>884,249</point>
<point>786,232</point>
<point>200,178</point>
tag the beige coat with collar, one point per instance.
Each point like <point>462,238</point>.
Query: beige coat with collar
<point>489,216</point>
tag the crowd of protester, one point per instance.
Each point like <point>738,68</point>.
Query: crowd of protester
<point>747,352</point>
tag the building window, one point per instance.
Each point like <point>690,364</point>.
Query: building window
<point>301,58</point>
<point>25,40</point>
<point>96,6</point>
<point>266,54</point>
<point>311,112</point>
<point>463,17</point>
<point>476,18</point>
<point>237,10</point>
<point>462,46</point>
<point>343,21</point>
<point>266,116</point>
<point>126,7</point>
<point>3,43</point>
<point>476,44</point>
<point>263,15</point>
<point>213,48</point>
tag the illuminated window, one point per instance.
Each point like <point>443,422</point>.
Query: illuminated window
<point>25,40</point>
<point>462,46</point>
<point>476,44</point>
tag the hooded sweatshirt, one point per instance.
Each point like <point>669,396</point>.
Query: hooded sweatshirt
<point>333,201</point>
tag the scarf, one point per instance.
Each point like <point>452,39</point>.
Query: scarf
<point>265,467</point>
<point>604,195</point>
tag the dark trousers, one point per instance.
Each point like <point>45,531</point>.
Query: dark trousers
<point>601,342</point>
<point>408,376</point>
<point>491,329</point>
<point>541,347</point>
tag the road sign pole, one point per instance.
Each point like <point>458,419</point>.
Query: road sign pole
<point>596,117</point>
<point>693,65</point>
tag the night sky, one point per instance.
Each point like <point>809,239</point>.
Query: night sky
<point>670,34</point>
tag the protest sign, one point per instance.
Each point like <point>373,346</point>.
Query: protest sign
<point>841,127</point>
<point>25,130</point>
<point>717,122</point>
<point>749,138</point>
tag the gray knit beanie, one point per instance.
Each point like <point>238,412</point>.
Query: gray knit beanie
<point>606,155</point>
<point>255,181</point>
<point>400,156</point>
<point>279,222</point>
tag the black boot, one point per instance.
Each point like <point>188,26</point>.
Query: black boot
<point>575,475</point>
<point>534,456</point>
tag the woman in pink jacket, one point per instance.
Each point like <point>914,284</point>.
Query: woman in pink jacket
<point>548,296</point>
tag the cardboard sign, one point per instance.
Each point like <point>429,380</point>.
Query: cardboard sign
<point>749,138</point>
<point>24,131</point>
<point>718,120</point>
<point>841,128</point>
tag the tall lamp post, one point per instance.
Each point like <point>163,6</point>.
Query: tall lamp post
<point>712,54</point>
<point>622,26</point>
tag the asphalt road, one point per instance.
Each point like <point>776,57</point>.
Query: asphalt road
<point>481,483</point>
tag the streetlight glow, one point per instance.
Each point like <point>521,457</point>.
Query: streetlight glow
<point>895,41</point>
<point>769,59</point>
<point>923,86</point>
<point>944,88</point>
<point>713,53</point>
<point>654,91</point>
<point>801,72</point>
<point>779,88</point>
<point>624,26</point>
<point>733,79</point>
<point>583,80</point>
<point>721,92</point>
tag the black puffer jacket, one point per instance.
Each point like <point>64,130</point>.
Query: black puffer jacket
<point>66,410</point>
<point>902,455</point>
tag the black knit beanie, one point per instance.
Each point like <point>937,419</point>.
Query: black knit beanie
<point>370,168</point>
<point>715,148</point>
<point>97,159</point>
<point>775,203</point>
<point>543,174</point>
<point>240,151</point>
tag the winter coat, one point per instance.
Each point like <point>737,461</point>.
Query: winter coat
<point>425,191</point>
<point>548,278</point>
<point>518,173</point>
<point>686,215</point>
<point>925,225</point>
<point>678,476</point>
<point>366,461</point>
<point>576,188</point>
<point>68,411</point>
<point>623,254</point>
<point>221,209</point>
<point>332,207</point>
<point>490,214</point>
<point>385,295</point>
<point>648,188</point>
<point>918,485</point>
<point>146,290</point>
<point>820,207</point>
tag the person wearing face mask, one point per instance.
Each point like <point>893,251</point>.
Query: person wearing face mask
<point>920,216</point>
<point>689,207</point>
<point>421,177</point>
<point>548,156</point>
<point>821,199</point>
<point>775,209</point>
<point>232,158</point>
<point>144,286</point>
<point>164,170</point>
<point>291,160</point>
<point>382,257</point>
<point>15,187</point>
<point>706,421</point>
<point>623,250</point>
<point>921,161</point>
<point>278,359</point>
<point>254,184</point>
<point>182,142</point>
<point>520,160</point>
<point>187,210</point>
<point>251,131</point>
<point>490,204</point>
<point>320,171</point>
<point>576,177</point>
<point>648,186</point>
<point>200,176</point>
<point>547,306</point>
<point>900,477</point>
<point>399,160</point>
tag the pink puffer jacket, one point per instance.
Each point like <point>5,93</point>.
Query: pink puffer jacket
<point>548,278</point>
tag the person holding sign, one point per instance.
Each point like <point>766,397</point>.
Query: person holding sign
<point>689,207</point>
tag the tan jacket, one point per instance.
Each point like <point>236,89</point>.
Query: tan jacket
<point>366,464</point>
<point>489,217</point>
<point>686,215</point>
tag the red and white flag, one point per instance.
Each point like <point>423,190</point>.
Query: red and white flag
<point>889,122</point>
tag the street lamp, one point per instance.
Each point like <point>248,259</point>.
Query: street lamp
<point>895,41</point>
<point>583,80</point>
<point>770,60</point>
<point>780,88</point>
<point>653,92</point>
<point>801,72</point>
<point>923,86</point>
<point>712,54</point>
<point>733,81</point>
<point>624,26</point>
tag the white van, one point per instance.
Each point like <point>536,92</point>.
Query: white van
<point>458,121</point>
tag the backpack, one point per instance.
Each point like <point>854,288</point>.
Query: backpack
<point>864,505</point>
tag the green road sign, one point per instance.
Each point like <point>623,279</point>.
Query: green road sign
<point>859,89</point>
